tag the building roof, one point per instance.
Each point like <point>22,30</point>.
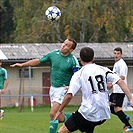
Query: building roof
<point>21,52</point>
<point>2,56</point>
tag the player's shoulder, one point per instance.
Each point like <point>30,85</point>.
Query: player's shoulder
<point>55,50</point>
<point>3,69</point>
<point>102,67</point>
<point>121,62</point>
<point>77,74</point>
<point>97,65</point>
<point>73,57</point>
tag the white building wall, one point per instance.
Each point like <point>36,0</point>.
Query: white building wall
<point>34,86</point>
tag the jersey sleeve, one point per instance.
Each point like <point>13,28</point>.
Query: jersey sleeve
<point>112,77</point>
<point>123,71</point>
<point>74,84</point>
<point>120,68</point>
<point>76,66</point>
<point>45,58</point>
<point>6,74</point>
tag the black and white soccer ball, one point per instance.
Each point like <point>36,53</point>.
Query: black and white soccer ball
<point>53,13</point>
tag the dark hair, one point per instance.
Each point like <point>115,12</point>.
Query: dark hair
<point>118,49</point>
<point>74,43</point>
<point>86,54</point>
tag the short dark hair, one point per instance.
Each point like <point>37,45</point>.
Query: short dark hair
<point>74,43</point>
<point>86,54</point>
<point>118,49</point>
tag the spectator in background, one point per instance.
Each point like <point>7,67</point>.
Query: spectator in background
<point>4,81</point>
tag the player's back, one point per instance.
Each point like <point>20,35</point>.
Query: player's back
<point>95,75</point>
<point>95,92</point>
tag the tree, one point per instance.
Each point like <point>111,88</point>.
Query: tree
<point>23,21</point>
<point>7,24</point>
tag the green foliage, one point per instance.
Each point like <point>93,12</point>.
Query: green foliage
<point>6,23</point>
<point>83,20</point>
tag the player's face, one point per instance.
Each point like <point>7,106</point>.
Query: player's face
<point>66,47</point>
<point>117,55</point>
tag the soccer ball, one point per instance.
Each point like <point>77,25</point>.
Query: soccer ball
<point>53,13</point>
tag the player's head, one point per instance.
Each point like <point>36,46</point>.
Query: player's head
<point>68,46</point>
<point>117,54</point>
<point>74,43</point>
<point>87,54</point>
<point>118,49</point>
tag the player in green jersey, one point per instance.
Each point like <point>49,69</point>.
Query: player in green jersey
<point>62,66</point>
<point>3,85</point>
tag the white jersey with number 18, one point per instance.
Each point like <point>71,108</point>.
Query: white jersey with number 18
<point>92,80</point>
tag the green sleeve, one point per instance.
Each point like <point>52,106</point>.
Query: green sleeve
<point>45,58</point>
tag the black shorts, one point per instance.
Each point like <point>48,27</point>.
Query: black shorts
<point>117,99</point>
<point>77,122</point>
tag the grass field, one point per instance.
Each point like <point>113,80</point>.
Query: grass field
<point>38,121</point>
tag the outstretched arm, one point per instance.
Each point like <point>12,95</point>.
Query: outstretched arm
<point>126,90</point>
<point>33,62</point>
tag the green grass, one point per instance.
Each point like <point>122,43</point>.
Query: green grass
<point>38,121</point>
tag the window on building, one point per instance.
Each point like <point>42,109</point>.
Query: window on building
<point>25,73</point>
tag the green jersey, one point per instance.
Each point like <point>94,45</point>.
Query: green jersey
<point>61,67</point>
<point>3,76</point>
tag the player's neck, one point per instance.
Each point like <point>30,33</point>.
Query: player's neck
<point>65,54</point>
<point>86,63</point>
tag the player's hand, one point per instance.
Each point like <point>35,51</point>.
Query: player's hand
<point>3,91</point>
<point>110,85</point>
<point>16,65</point>
<point>66,87</point>
<point>57,115</point>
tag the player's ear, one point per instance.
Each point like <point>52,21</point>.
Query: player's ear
<point>71,50</point>
<point>93,59</point>
<point>80,60</point>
